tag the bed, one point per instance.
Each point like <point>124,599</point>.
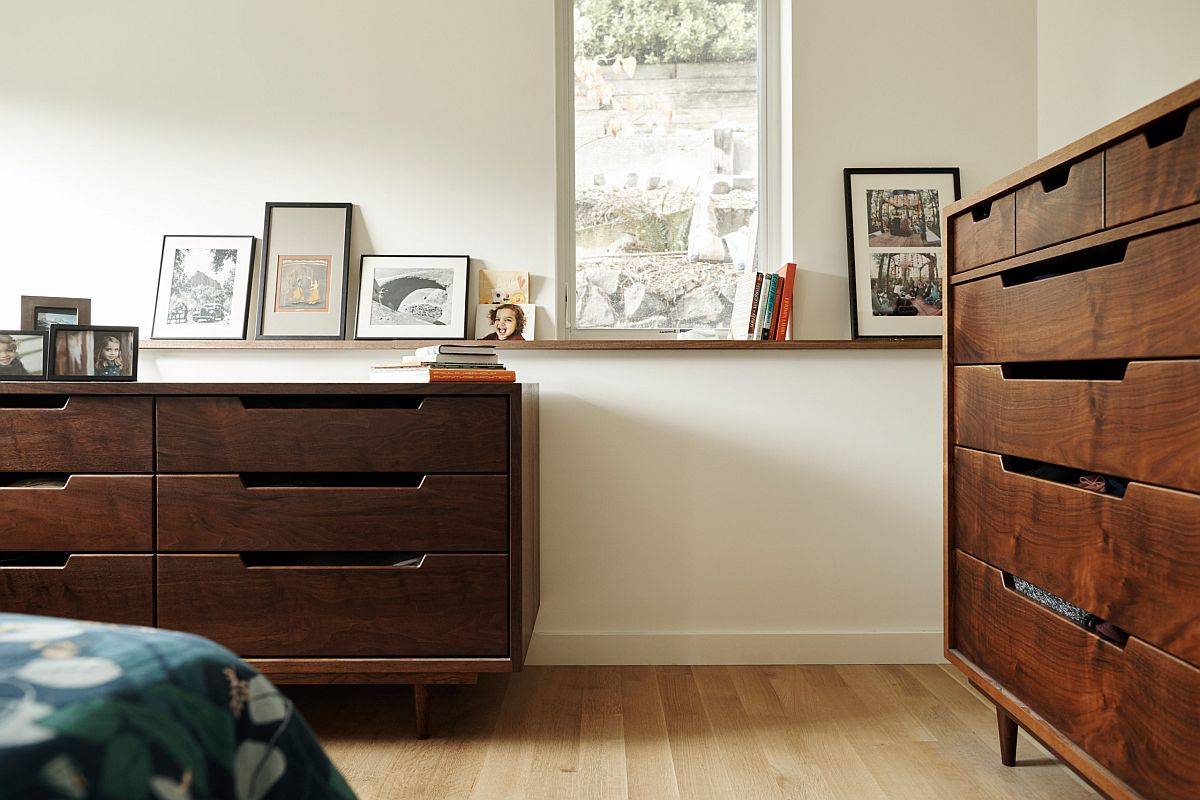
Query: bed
<point>90,710</point>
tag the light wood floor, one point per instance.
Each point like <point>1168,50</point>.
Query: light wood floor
<point>677,733</point>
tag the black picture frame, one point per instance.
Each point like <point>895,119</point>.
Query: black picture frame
<point>466,301</point>
<point>847,177</point>
<point>32,304</point>
<point>264,271</point>
<point>57,331</point>
<point>249,285</point>
<point>45,337</point>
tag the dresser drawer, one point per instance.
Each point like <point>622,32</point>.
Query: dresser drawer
<point>1131,299</point>
<point>101,588</point>
<point>1154,171</point>
<point>393,433</point>
<point>83,433</point>
<point>1121,558</point>
<point>1144,427</point>
<point>83,513</point>
<point>1135,710</point>
<point>449,606</point>
<point>1065,204</point>
<point>352,512</point>
<point>984,234</point>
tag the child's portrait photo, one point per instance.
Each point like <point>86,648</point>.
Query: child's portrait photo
<point>101,354</point>
<point>22,355</point>
<point>510,322</point>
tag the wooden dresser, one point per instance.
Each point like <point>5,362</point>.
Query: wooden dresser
<point>1073,355</point>
<point>375,533</point>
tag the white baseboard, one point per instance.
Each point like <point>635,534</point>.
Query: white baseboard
<point>851,647</point>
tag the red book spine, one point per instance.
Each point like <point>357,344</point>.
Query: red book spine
<point>785,307</point>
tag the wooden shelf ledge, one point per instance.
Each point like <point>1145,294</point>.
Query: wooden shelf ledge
<point>576,344</point>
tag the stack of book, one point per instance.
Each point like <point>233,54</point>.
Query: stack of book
<point>446,363</point>
<point>762,305</point>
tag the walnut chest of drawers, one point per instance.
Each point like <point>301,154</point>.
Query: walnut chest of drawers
<point>373,533</point>
<point>1073,347</point>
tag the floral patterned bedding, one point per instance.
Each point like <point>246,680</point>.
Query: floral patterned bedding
<point>89,710</point>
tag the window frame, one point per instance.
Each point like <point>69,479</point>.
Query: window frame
<point>769,162</point>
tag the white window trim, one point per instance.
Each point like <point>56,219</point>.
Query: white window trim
<point>770,160</point>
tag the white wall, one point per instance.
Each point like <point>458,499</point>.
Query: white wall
<point>696,506</point>
<point>1098,60</point>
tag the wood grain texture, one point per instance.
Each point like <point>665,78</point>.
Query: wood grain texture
<point>990,239</point>
<point>446,513</point>
<point>1144,428</point>
<point>445,434</point>
<point>1075,209</point>
<point>1132,560</point>
<point>1129,309</point>
<point>1141,180</point>
<point>1135,710</point>
<point>90,513</point>
<point>452,605</point>
<point>99,588</point>
<point>524,522</point>
<point>1181,98</point>
<point>88,434</point>
<point>610,733</point>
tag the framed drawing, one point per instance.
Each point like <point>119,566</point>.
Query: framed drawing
<point>306,250</point>
<point>39,313</point>
<point>412,297</point>
<point>203,287</point>
<point>93,353</point>
<point>22,355</point>
<point>896,256</point>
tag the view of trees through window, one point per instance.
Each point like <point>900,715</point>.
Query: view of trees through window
<point>666,160</point>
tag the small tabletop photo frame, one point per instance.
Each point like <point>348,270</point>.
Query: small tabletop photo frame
<point>93,353</point>
<point>306,257</point>
<point>23,355</point>
<point>38,313</point>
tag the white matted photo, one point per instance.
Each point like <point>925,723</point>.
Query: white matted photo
<point>203,287</point>
<point>506,322</point>
<point>897,261</point>
<point>412,297</point>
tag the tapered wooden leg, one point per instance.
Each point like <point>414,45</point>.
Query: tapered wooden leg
<point>1008,737</point>
<point>421,709</point>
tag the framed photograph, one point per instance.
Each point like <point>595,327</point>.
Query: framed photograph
<point>508,322</point>
<point>93,353</point>
<point>412,297</point>
<point>894,240</point>
<point>39,313</point>
<point>306,252</point>
<point>203,287</point>
<point>23,355</point>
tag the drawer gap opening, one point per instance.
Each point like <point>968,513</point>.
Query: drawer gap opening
<point>1067,476</point>
<point>34,480</point>
<point>47,559</point>
<point>1069,611</point>
<point>1056,179</point>
<point>267,401</point>
<point>332,480</point>
<point>58,401</point>
<point>1112,369</point>
<point>982,211</point>
<point>1167,129</point>
<point>1104,255</point>
<point>382,558</point>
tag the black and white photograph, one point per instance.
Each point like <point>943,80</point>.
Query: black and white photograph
<point>39,313</point>
<point>203,287</point>
<point>894,243</point>
<point>22,355</point>
<point>93,353</point>
<point>305,275</point>
<point>412,297</point>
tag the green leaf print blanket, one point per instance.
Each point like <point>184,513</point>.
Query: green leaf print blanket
<point>89,710</point>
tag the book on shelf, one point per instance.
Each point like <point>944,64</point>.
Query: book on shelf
<point>762,304</point>
<point>446,362</point>
<point>769,312</point>
<point>456,358</point>
<point>782,325</point>
<point>433,351</point>
<point>401,374</point>
<point>745,298</point>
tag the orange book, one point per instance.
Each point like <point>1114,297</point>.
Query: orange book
<point>424,375</point>
<point>780,330</point>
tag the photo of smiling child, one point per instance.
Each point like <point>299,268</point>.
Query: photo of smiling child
<point>511,322</point>
<point>86,353</point>
<point>22,355</point>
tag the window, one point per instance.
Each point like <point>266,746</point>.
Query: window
<point>666,156</point>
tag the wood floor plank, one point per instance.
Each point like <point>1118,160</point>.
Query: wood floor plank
<point>683,733</point>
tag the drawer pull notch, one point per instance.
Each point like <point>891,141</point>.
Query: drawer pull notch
<point>1102,256</point>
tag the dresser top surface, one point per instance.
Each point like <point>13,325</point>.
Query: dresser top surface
<point>158,388</point>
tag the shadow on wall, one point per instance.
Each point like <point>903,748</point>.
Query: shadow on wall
<point>822,305</point>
